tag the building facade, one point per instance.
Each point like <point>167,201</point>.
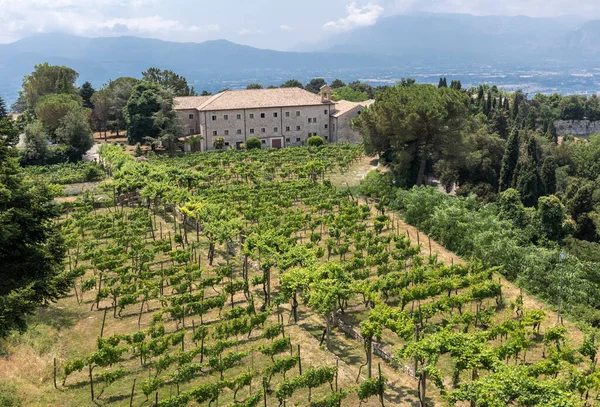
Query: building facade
<point>277,117</point>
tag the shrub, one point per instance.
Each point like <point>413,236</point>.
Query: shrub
<point>219,143</point>
<point>315,141</point>
<point>253,143</point>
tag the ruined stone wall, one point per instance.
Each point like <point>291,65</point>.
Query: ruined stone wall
<point>582,128</point>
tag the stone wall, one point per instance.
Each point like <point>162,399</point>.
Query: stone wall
<point>580,128</point>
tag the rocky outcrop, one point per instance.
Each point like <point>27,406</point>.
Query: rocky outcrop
<point>582,128</point>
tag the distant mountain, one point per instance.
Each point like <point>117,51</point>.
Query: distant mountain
<point>211,65</point>
<point>423,45</point>
<point>456,39</point>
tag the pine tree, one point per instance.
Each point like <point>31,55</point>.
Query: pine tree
<point>86,92</point>
<point>509,161</point>
<point>3,110</point>
<point>515,110</point>
<point>551,133</point>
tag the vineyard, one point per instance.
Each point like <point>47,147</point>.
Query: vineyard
<point>250,279</point>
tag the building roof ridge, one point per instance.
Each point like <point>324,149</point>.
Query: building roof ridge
<point>211,100</point>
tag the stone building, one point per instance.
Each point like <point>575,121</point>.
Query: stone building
<point>278,117</point>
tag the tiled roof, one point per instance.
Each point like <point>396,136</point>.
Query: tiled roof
<point>190,102</point>
<point>251,99</point>
<point>343,106</point>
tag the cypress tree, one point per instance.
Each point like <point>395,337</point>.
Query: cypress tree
<point>515,110</point>
<point>3,109</point>
<point>551,133</point>
<point>445,83</point>
<point>442,83</point>
<point>545,126</point>
<point>488,104</point>
<point>530,122</point>
<point>494,103</point>
<point>548,175</point>
<point>480,95</point>
<point>529,183</point>
<point>509,161</point>
<point>506,104</point>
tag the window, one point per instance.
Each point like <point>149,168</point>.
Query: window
<point>191,116</point>
<point>287,128</point>
<point>287,114</point>
<point>225,117</point>
<point>326,126</point>
<point>309,120</point>
<point>215,133</point>
<point>314,120</point>
<point>227,132</point>
<point>264,141</point>
<point>191,131</point>
<point>214,118</point>
<point>251,131</point>
<point>309,134</point>
<point>275,129</point>
<point>262,115</point>
<point>358,112</point>
<point>297,113</point>
<point>227,144</point>
<point>263,130</point>
<point>275,114</point>
<point>252,115</point>
<point>333,127</point>
<point>239,131</point>
<point>325,111</point>
<point>238,116</point>
<point>297,128</point>
<point>298,139</point>
<point>287,140</point>
<point>326,138</point>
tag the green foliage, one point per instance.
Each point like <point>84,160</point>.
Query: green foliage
<point>86,92</point>
<point>315,141</point>
<point>349,94</point>
<point>75,133</point>
<point>9,395</point>
<point>218,143</point>
<point>143,105</point>
<point>509,161</point>
<point>48,79</point>
<point>314,86</point>
<point>169,80</point>
<point>371,387</point>
<point>53,108</point>
<point>426,126</point>
<point>292,83</point>
<point>254,86</point>
<point>253,143</point>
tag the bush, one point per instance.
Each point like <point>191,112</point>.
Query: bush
<point>219,143</point>
<point>315,141</point>
<point>9,395</point>
<point>253,143</point>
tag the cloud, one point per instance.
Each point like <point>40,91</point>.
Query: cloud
<point>356,17</point>
<point>286,28</point>
<point>246,31</point>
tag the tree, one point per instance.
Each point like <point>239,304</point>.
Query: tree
<point>3,111</point>
<point>254,86</point>
<point>414,127</point>
<point>20,104</point>
<point>253,143</point>
<point>75,133</point>
<point>292,83</point>
<point>86,92</point>
<point>551,134</point>
<point>101,101</point>
<point>139,112</point>
<point>442,83</point>
<point>530,121</point>
<point>46,79</point>
<point>166,121</point>
<point>32,249</point>
<point>548,175</point>
<point>349,94</point>
<point>509,161</point>
<point>456,85</point>
<point>36,144</point>
<point>52,108</point>
<point>528,181</point>
<point>315,141</point>
<point>337,83</point>
<point>120,91</point>
<point>315,85</point>
<point>514,113</point>
<point>169,80</point>
<point>551,213</point>
<point>572,108</point>
<point>219,143</point>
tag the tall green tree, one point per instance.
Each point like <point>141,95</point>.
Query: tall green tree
<point>86,92</point>
<point>414,127</point>
<point>548,175</point>
<point>456,85</point>
<point>3,110</point>
<point>292,83</point>
<point>528,181</point>
<point>509,161</point>
<point>120,91</point>
<point>337,83</point>
<point>255,86</point>
<point>75,133</point>
<point>551,133</point>
<point>31,246</point>
<point>53,107</point>
<point>139,112</point>
<point>169,80</point>
<point>47,79</point>
<point>315,85</point>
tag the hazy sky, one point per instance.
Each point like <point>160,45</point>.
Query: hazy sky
<point>278,24</point>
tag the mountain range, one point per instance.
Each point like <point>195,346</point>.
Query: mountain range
<point>393,46</point>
